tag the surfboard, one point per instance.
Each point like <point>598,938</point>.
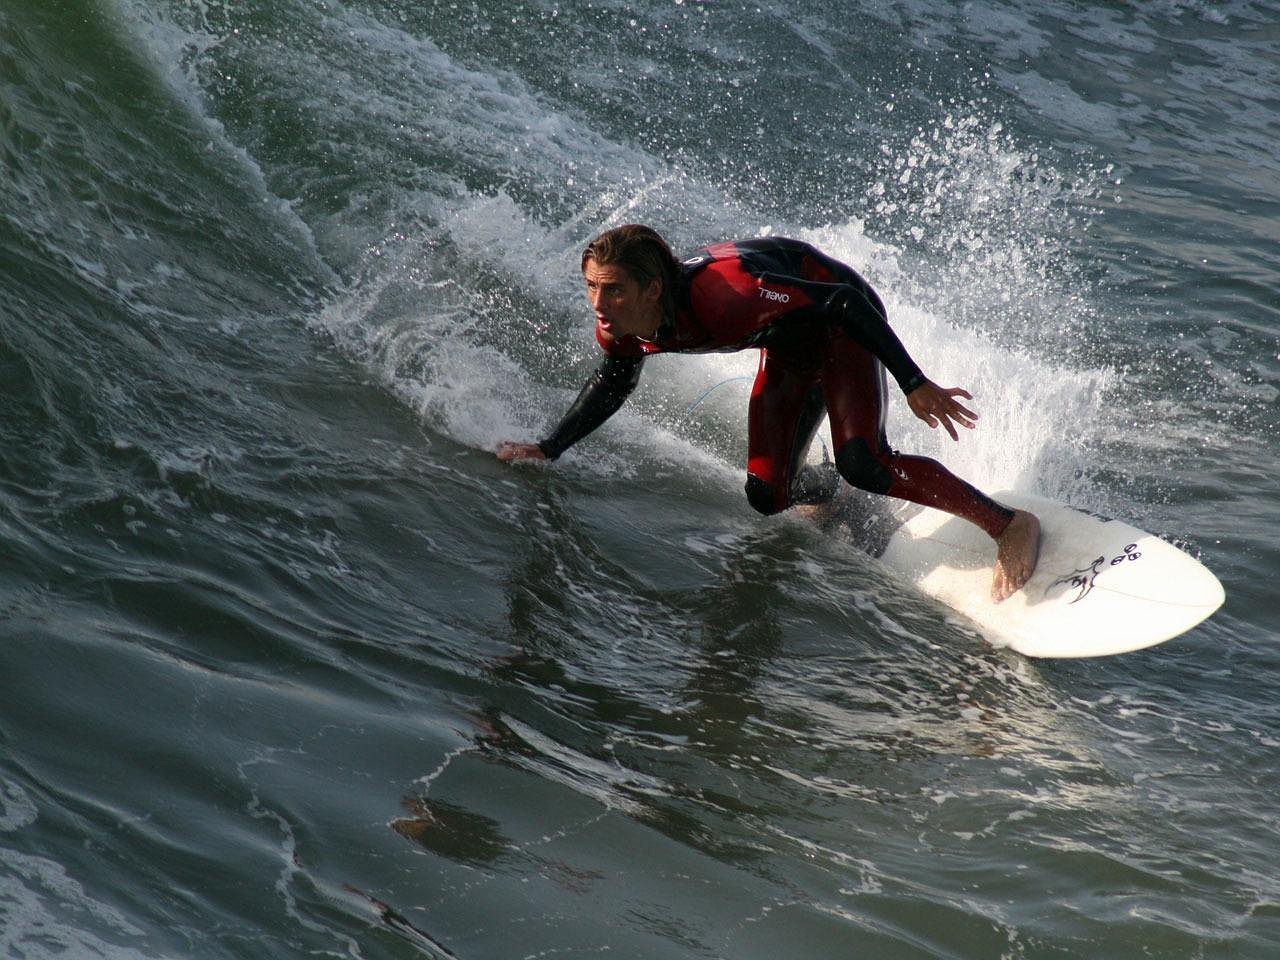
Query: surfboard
<point>1101,587</point>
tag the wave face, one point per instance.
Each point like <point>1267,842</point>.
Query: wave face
<point>291,665</point>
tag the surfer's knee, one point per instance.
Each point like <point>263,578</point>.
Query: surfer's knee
<point>762,496</point>
<point>859,465</point>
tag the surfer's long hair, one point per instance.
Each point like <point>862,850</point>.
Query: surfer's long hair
<point>643,254</point>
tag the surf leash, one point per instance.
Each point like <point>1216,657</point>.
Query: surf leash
<point>710,390</point>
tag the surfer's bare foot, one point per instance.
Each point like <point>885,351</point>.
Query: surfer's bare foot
<point>1017,550</point>
<point>827,512</point>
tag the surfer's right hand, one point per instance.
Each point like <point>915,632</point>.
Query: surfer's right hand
<point>511,450</point>
<point>937,405</point>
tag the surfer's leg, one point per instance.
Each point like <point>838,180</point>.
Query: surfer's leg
<point>786,408</point>
<point>854,385</point>
<point>856,393</point>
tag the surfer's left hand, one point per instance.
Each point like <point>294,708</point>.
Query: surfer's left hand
<point>510,450</point>
<point>938,405</point>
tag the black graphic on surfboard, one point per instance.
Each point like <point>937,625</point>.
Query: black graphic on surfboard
<point>1083,579</point>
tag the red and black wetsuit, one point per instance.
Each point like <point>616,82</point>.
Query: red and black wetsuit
<point>825,344</point>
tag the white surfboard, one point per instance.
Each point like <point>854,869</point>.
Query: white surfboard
<point>1101,587</point>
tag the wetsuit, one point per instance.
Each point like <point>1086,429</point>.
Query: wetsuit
<point>825,344</point>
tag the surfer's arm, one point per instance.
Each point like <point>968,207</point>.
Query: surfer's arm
<point>859,312</point>
<point>862,316</point>
<point>601,396</point>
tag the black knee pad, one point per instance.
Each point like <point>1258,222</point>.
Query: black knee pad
<point>860,466</point>
<point>761,495</point>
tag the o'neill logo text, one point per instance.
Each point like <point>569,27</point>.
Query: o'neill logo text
<point>774,295</point>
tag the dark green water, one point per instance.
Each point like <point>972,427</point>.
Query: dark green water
<point>291,665</point>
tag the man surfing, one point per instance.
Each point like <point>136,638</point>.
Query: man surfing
<point>825,346</point>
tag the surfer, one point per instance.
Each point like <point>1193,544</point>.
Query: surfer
<point>825,345</point>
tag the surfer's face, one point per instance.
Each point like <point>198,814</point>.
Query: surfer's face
<point>622,307</point>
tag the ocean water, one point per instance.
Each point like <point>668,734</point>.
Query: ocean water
<point>292,666</point>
